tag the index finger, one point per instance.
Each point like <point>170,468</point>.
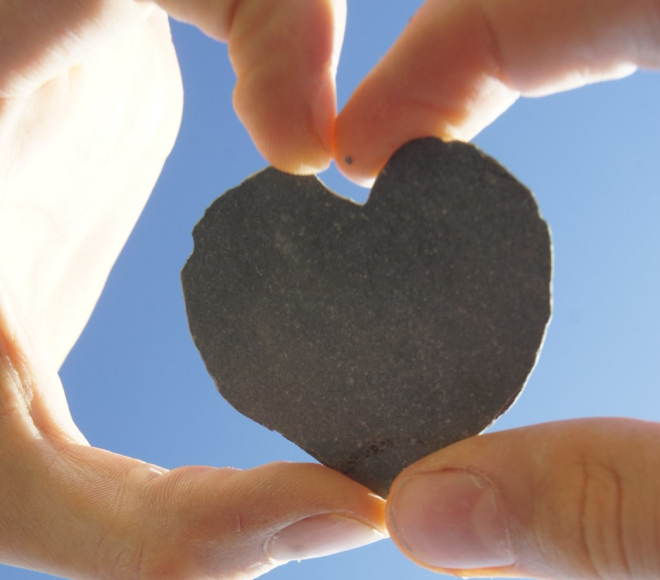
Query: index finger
<point>461,63</point>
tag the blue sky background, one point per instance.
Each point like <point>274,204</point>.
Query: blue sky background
<point>137,386</point>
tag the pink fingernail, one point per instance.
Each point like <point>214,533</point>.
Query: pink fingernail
<point>452,519</point>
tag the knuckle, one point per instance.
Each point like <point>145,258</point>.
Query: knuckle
<point>190,528</point>
<point>585,522</point>
<point>602,518</point>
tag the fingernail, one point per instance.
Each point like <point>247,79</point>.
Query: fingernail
<point>320,536</point>
<point>452,519</point>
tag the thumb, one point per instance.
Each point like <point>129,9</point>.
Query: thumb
<point>572,499</point>
<point>80,512</point>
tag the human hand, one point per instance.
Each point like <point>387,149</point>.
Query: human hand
<point>75,511</point>
<point>90,106</point>
<point>571,499</point>
<point>459,64</point>
<point>574,499</point>
<point>342,154</point>
<point>92,100</point>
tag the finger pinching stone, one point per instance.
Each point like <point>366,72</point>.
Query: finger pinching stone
<point>372,335</point>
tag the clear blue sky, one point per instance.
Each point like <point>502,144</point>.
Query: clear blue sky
<point>137,386</point>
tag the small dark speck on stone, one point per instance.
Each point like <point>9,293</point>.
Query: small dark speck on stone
<point>349,160</point>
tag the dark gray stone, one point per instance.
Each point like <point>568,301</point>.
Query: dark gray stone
<point>372,335</point>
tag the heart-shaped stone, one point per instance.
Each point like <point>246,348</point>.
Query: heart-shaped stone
<point>372,335</point>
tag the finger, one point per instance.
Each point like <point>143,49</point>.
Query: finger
<point>51,36</point>
<point>87,513</point>
<point>214,17</point>
<point>573,499</point>
<point>461,63</point>
<point>67,220</point>
<point>285,54</point>
<point>259,519</point>
<point>75,511</point>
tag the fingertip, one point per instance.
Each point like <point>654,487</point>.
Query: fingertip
<point>556,500</point>
<point>294,139</point>
<point>321,489</point>
<point>451,520</point>
<point>364,139</point>
<point>305,159</point>
<point>381,117</point>
<point>285,90</point>
<point>306,148</point>
<point>293,136</point>
<point>373,125</point>
<point>319,536</point>
<point>334,513</point>
<point>359,169</point>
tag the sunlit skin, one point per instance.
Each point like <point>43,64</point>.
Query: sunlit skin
<point>90,106</point>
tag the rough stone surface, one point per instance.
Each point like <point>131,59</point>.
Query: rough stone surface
<point>372,335</point>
